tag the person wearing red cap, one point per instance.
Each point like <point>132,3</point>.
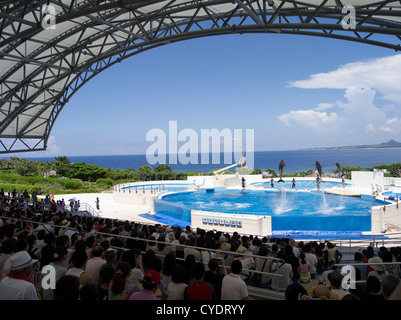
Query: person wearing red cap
<point>150,283</point>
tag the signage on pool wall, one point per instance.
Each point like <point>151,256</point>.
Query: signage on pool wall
<point>222,222</point>
<point>225,222</point>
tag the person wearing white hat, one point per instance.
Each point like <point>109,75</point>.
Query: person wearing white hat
<point>379,270</point>
<point>16,286</point>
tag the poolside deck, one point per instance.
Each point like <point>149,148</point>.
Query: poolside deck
<point>344,192</point>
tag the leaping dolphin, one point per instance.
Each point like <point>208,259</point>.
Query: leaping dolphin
<point>319,168</point>
<point>280,169</point>
<point>339,168</point>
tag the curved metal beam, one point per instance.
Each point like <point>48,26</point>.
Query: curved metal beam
<point>118,37</point>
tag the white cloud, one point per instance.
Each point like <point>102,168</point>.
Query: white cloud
<point>309,118</point>
<point>52,147</point>
<point>324,106</point>
<point>382,74</point>
<point>392,126</point>
<point>357,114</point>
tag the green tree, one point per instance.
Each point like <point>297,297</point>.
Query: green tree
<point>162,167</point>
<point>394,168</point>
<point>145,172</point>
<point>62,160</point>
<point>347,170</point>
<point>83,171</point>
<point>271,172</point>
<point>25,167</point>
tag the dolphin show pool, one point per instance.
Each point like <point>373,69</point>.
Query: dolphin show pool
<point>290,209</point>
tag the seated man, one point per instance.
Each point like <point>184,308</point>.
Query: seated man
<point>199,290</point>
<point>17,284</point>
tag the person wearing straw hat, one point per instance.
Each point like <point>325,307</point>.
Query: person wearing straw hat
<point>64,224</point>
<point>379,270</point>
<point>322,292</point>
<point>16,285</point>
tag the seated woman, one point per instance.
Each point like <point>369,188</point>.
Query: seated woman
<point>263,265</point>
<point>280,267</point>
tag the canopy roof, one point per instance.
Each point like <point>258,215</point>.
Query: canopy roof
<point>49,49</point>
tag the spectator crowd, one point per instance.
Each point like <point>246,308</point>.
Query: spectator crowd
<point>53,254</point>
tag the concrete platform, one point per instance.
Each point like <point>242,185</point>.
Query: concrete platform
<point>343,192</point>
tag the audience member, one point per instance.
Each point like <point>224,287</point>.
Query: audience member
<point>322,292</point>
<point>59,256</point>
<point>150,283</point>
<point>199,289</point>
<point>120,288</point>
<point>188,263</point>
<point>191,250</point>
<point>336,279</point>
<point>233,287</point>
<point>6,250</point>
<point>78,260</point>
<point>214,277</point>
<point>280,267</point>
<point>89,292</point>
<point>134,258</point>
<point>294,292</point>
<point>67,288</point>
<point>94,264</point>
<point>106,274</point>
<point>378,270</point>
<point>305,268</point>
<point>312,259</point>
<point>176,288</point>
<point>358,264</point>
<point>168,267</point>
<point>389,283</point>
<point>17,284</point>
<point>373,285</point>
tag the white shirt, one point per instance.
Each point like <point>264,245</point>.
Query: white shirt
<point>296,251</point>
<point>136,276</point>
<point>175,291</point>
<point>93,267</point>
<point>312,259</point>
<point>47,228</point>
<point>16,289</point>
<point>233,288</point>
<point>285,270</point>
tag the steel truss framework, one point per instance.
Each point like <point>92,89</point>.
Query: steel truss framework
<point>50,49</point>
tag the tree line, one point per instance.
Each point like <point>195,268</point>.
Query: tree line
<point>83,177</point>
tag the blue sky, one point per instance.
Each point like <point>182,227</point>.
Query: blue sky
<point>293,91</point>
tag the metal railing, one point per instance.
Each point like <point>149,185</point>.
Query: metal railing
<point>83,206</point>
<point>218,252</point>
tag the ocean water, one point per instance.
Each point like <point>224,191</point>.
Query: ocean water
<point>296,160</point>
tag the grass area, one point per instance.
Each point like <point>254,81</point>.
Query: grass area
<point>42,185</point>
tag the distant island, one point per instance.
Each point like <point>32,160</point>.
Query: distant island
<point>390,144</point>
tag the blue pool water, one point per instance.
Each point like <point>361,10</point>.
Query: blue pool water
<point>392,195</point>
<point>299,184</point>
<point>290,210</point>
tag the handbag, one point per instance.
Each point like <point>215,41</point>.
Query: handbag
<point>257,277</point>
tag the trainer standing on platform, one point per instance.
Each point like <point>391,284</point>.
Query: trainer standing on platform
<point>97,204</point>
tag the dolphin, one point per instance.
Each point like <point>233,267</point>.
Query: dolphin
<point>339,168</point>
<point>319,168</point>
<point>280,169</point>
